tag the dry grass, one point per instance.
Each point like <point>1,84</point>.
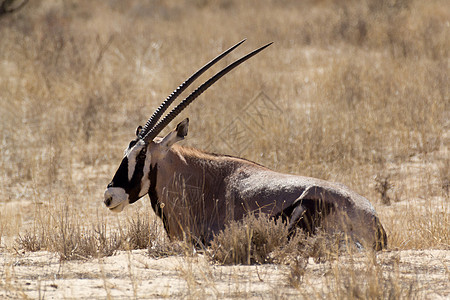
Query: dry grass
<point>73,239</point>
<point>260,240</point>
<point>249,241</point>
<point>355,89</point>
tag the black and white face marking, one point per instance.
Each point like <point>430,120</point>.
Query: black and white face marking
<point>131,180</point>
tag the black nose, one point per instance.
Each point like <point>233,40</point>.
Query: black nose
<point>108,201</point>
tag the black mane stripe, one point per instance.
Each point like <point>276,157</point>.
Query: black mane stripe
<point>154,199</point>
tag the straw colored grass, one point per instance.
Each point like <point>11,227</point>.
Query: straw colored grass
<point>353,91</point>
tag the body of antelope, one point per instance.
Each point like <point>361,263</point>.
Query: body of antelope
<point>196,193</point>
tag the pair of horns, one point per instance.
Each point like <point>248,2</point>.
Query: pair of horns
<point>154,126</point>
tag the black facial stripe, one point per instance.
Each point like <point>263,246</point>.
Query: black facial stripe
<point>134,186</point>
<point>154,200</point>
<point>120,179</point>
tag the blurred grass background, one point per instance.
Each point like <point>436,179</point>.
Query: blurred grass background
<point>361,90</point>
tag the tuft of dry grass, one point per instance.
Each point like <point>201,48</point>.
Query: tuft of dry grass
<point>248,241</point>
<point>72,240</point>
<point>261,240</point>
<point>383,186</point>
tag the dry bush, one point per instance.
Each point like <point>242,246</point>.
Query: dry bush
<point>69,238</point>
<point>144,232</point>
<point>260,239</point>
<point>71,243</point>
<point>248,241</point>
<point>383,186</point>
<point>139,232</point>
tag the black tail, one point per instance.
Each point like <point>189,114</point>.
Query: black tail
<point>381,237</point>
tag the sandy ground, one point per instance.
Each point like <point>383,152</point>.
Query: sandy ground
<point>423,274</point>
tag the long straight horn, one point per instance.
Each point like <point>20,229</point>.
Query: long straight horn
<point>163,107</point>
<point>188,100</point>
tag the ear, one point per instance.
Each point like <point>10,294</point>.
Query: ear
<point>177,134</point>
<point>138,130</point>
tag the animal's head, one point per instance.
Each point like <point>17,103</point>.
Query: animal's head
<point>132,180</point>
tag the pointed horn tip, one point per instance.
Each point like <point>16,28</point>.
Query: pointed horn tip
<point>237,45</point>
<point>266,45</point>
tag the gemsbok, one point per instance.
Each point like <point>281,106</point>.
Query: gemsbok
<point>196,193</point>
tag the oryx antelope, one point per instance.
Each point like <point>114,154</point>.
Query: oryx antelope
<point>196,193</point>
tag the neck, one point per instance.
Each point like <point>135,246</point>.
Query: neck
<point>192,184</point>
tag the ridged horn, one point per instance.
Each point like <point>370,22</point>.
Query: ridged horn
<point>188,100</point>
<point>163,107</point>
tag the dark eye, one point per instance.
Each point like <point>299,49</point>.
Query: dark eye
<point>141,155</point>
